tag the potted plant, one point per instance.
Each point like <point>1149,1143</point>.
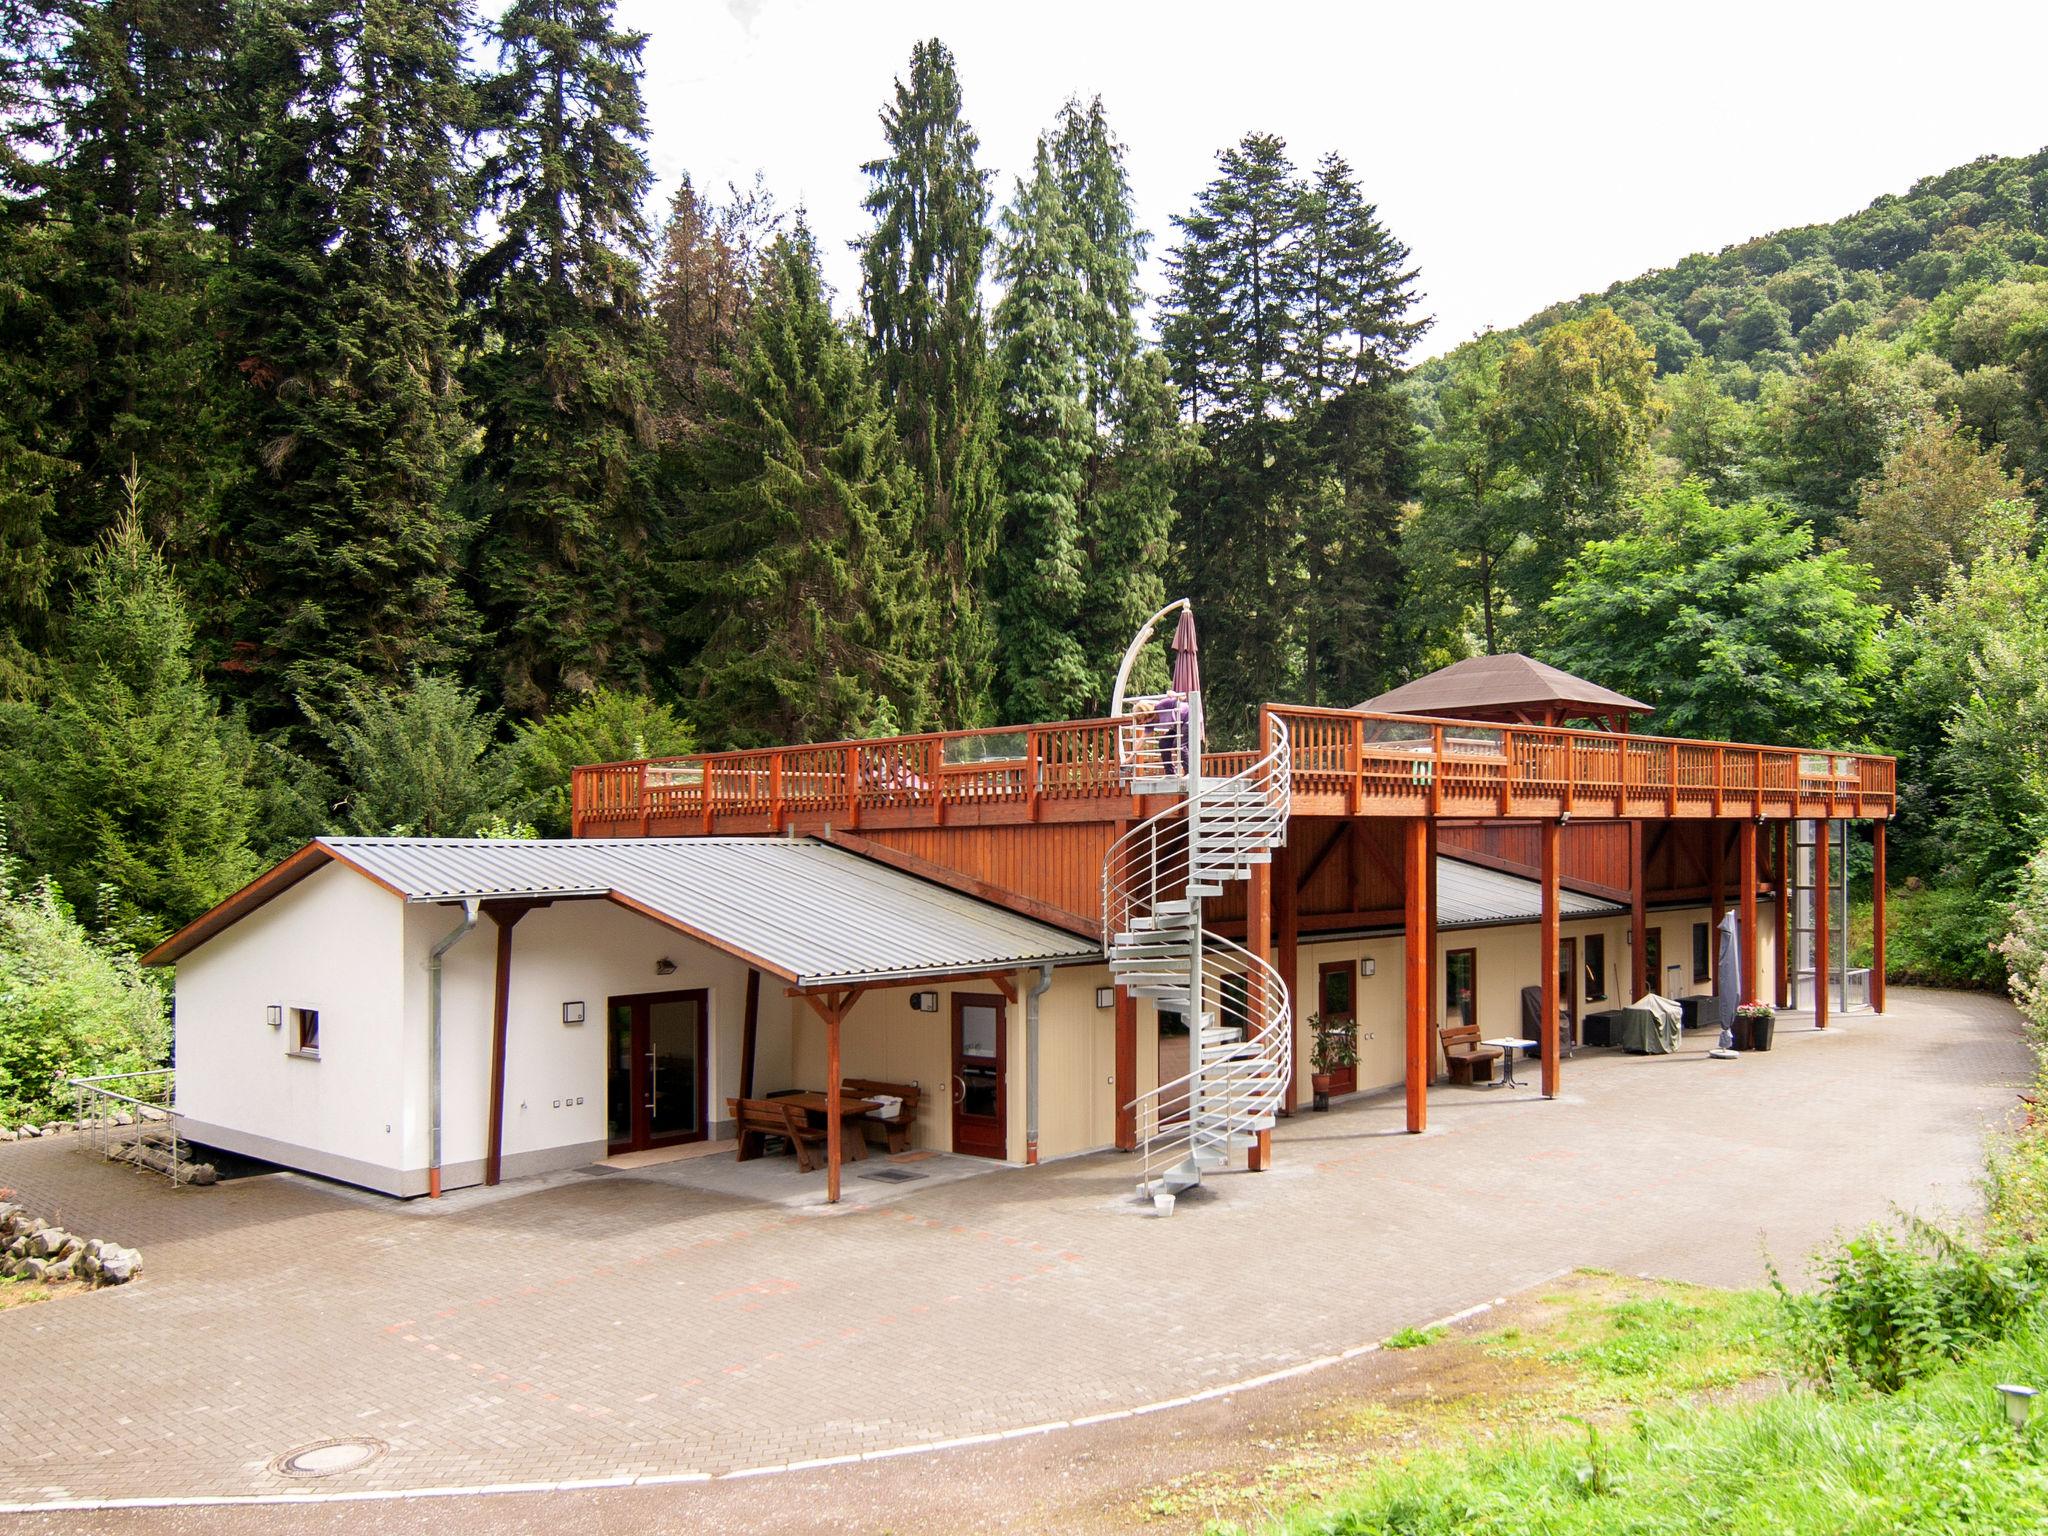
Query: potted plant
<point>1759,1021</point>
<point>1334,1046</point>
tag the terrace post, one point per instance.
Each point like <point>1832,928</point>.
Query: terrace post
<point>1287,922</point>
<point>1416,929</point>
<point>833,1129</point>
<point>1126,1071</point>
<point>1784,841</point>
<point>1821,914</point>
<point>1638,930</point>
<point>1717,896</point>
<point>1877,916</point>
<point>1549,1030</point>
<point>1258,938</point>
<point>505,914</point>
<point>1745,874</point>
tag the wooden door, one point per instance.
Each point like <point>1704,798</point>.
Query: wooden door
<point>657,1062</point>
<point>1337,998</point>
<point>979,1122</point>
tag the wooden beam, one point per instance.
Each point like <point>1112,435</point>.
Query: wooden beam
<point>1552,1045</point>
<point>1419,968</point>
<point>1638,929</point>
<point>1006,983</point>
<point>1126,1071</point>
<point>1287,922</point>
<point>506,915</point>
<point>834,1131</point>
<point>749,1024</point>
<point>1821,914</point>
<point>1314,866</point>
<point>1258,938</point>
<point>1745,875</point>
<point>1877,916</point>
<point>1783,835</point>
<point>1717,902</point>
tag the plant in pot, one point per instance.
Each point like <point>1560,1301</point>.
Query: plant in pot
<point>1759,1021</point>
<point>1334,1046</point>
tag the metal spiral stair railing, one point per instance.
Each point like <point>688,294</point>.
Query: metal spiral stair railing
<point>1153,882</point>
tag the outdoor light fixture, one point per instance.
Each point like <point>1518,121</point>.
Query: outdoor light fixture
<point>572,1013</point>
<point>2019,1402</point>
<point>1105,997</point>
<point>664,966</point>
<point>1370,965</point>
<point>273,1015</point>
<point>924,1002</point>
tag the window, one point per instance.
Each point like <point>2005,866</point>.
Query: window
<point>1461,988</point>
<point>1596,967</point>
<point>1334,981</point>
<point>305,1034</point>
<point>1653,959</point>
<point>1702,968</point>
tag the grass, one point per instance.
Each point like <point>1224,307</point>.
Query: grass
<point>1414,1338</point>
<point>15,1291</point>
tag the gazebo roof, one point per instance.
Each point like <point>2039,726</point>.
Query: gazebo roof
<point>1508,687</point>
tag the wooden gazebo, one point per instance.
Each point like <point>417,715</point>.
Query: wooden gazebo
<point>1511,690</point>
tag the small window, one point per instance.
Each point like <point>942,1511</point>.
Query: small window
<point>1702,968</point>
<point>306,1031</point>
<point>1596,967</point>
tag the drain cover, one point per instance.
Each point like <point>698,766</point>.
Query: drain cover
<point>328,1457</point>
<point>893,1175</point>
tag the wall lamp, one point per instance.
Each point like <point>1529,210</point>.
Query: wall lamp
<point>924,1002</point>
<point>1105,997</point>
<point>572,1013</point>
<point>273,1015</point>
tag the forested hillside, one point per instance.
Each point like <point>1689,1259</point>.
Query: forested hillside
<point>371,451</point>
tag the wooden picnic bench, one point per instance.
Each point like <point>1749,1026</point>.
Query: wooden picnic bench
<point>755,1120</point>
<point>895,1134</point>
<point>1465,1058</point>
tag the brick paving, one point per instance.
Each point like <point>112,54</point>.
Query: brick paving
<point>615,1325</point>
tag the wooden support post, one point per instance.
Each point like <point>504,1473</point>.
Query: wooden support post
<point>1258,938</point>
<point>1126,1071</point>
<point>749,1024</point>
<point>834,1131</point>
<point>1745,875</point>
<point>1638,930</point>
<point>1420,967</point>
<point>1877,916</point>
<point>1552,1044</point>
<point>1784,839</point>
<point>1821,914</point>
<point>1287,923</point>
<point>505,915</point>
<point>1717,897</point>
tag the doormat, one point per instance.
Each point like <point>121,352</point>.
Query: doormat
<point>913,1157</point>
<point>894,1175</point>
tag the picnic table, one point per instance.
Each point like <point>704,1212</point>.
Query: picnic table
<point>852,1144</point>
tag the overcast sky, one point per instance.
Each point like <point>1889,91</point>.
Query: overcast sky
<point>1526,153</point>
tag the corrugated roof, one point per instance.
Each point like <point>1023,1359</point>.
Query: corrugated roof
<point>814,914</point>
<point>1470,896</point>
<point>1499,682</point>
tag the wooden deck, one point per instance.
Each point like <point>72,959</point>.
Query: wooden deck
<point>1345,764</point>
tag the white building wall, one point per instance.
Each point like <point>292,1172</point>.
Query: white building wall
<point>332,942</point>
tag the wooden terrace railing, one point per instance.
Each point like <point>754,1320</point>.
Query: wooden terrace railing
<point>1345,764</point>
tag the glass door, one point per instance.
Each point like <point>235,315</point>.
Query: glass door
<point>978,1119</point>
<point>657,1063</point>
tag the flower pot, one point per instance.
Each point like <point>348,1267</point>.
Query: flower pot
<point>1319,1082</point>
<point>1760,1033</point>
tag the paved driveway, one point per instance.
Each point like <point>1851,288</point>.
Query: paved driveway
<point>616,1325</point>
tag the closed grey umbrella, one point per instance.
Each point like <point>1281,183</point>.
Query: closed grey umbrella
<point>1728,987</point>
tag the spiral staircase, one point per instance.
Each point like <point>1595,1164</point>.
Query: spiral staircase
<point>1236,1006</point>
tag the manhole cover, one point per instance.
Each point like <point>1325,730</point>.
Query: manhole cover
<point>328,1457</point>
<point>893,1175</point>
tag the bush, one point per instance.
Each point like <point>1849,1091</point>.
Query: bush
<point>69,1006</point>
<point>2024,949</point>
<point>599,727</point>
<point>1894,1307</point>
<point>1943,936</point>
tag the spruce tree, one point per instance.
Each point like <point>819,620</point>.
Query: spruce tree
<point>345,216</point>
<point>131,789</point>
<point>1048,439</point>
<point>559,377</point>
<point>803,546</point>
<point>921,271</point>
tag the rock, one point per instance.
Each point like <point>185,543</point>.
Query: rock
<point>28,1132</point>
<point>48,1243</point>
<point>33,1270</point>
<point>117,1265</point>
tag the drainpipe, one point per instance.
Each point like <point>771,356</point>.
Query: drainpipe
<point>1038,990</point>
<point>470,908</point>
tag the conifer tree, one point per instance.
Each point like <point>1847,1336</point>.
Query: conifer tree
<point>345,217</point>
<point>128,781</point>
<point>559,379</point>
<point>804,547</point>
<point>1048,439</point>
<point>921,271</point>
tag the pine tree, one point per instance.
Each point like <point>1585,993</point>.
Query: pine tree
<point>921,271</point>
<point>559,376</point>
<point>345,217</point>
<point>803,546</point>
<point>1048,439</point>
<point>129,782</point>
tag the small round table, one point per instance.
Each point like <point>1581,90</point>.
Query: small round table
<point>1508,1045</point>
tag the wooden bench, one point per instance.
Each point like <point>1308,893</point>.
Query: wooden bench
<point>755,1120</point>
<point>1466,1059</point>
<point>895,1134</point>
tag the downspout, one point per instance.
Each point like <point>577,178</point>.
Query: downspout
<point>470,908</point>
<point>1038,990</point>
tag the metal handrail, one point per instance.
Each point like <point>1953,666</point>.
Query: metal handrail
<point>91,1101</point>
